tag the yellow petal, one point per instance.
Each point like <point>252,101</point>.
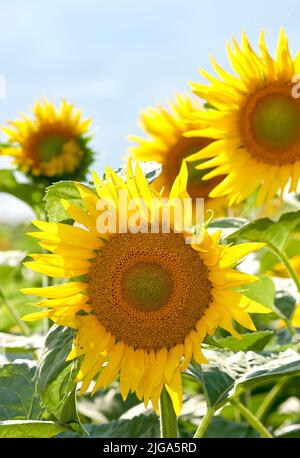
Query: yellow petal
<point>174,388</point>
<point>235,253</point>
<point>53,292</point>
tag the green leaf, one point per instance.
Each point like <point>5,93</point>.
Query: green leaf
<point>274,233</point>
<point>29,429</point>
<point>55,377</point>
<point>222,428</point>
<point>20,344</point>
<point>61,190</point>
<point>255,341</point>
<point>230,374</point>
<point>106,405</point>
<point>29,193</point>
<point>17,391</point>
<point>262,291</point>
<point>140,426</point>
<point>286,303</point>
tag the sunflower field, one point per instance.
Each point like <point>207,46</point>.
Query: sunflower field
<point>118,323</point>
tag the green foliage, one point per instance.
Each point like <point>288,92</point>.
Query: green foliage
<point>17,392</point>
<point>139,426</point>
<point>222,428</point>
<point>29,429</point>
<point>274,233</point>
<point>255,341</point>
<point>31,194</point>
<point>55,193</point>
<point>231,374</point>
<point>55,377</point>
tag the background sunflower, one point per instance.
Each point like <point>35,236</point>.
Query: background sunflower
<point>167,145</point>
<point>53,145</point>
<point>255,120</point>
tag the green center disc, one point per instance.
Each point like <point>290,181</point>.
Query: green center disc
<point>51,147</point>
<point>147,286</point>
<point>276,121</point>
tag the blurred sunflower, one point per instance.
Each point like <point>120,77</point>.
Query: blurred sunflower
<point>255,122</point>
<point>296,317</point>
<point>167,145</point>
<point>144,302</point>
<point>280,270</point>
<point>52,145</point>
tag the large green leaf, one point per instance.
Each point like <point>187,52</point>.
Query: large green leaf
<point>17,391</point>
<point>140,426</point>
<point>29,193</point>
<point>274,233</point>
<point>106,405</point>
<point>230,374</point>
<point>262,291</point>
<point>29,429</point>
<point>255,341</point>
<point>61,190</point>
<point>55,377</point>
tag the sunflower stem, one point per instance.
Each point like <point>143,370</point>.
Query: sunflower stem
<point>204,423</point>
<point>168,418</point>
<point>22,325</point>
<point>252,419</point>
<point>270,398</point>
<point>293,274</point>
<point>285,261</point>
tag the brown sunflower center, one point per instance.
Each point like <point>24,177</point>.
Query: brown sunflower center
<point>149,290</point>
<point>182,149</point>
<point>270,125</point>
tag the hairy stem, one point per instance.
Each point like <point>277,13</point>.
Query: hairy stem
<point>270,398</point>
<point>252,419</point>
<point>204,423</point>
<point>285,261</point>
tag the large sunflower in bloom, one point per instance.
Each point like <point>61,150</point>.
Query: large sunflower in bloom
<point>141,303</point>
<point>255,121</point>
<point>52,144</point>
<point>167,145</point>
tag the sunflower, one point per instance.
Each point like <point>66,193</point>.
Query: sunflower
<point>52,144</point>
<point>255,120</point>
<point>141,303</point>
<point>167,145</point>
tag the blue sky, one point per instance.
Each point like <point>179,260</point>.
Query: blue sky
<point>114,58</point>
